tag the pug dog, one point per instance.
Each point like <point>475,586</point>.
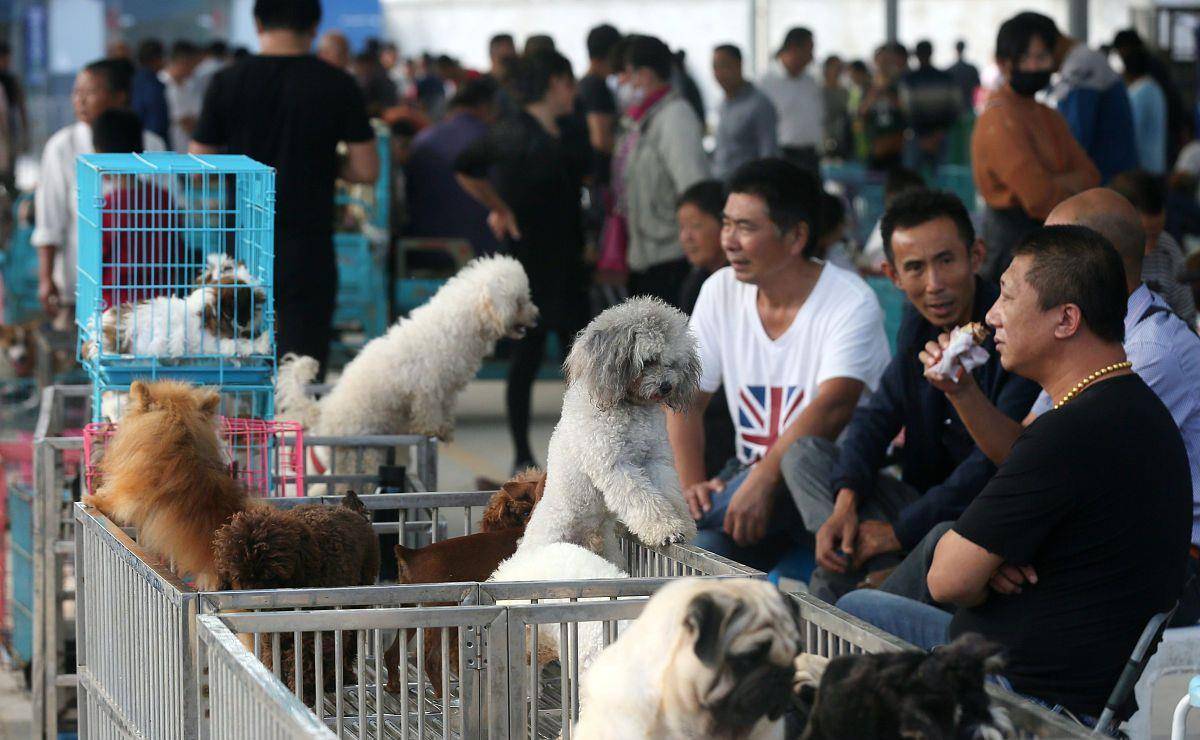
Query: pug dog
<point>707,658</point>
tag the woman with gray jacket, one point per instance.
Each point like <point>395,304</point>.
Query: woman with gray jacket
<point>658,156</point>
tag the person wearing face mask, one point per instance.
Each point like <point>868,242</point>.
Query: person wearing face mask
<point>658,155</point>
<point>1023,155</point>
<point>525,173</point>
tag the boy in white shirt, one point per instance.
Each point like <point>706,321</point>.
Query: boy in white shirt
<point>795,342</point>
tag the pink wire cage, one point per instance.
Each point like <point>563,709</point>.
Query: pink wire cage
<point>267,457</point>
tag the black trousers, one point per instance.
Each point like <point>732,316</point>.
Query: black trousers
<point>305,296</point>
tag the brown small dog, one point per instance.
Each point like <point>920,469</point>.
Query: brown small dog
<point>463,559</point>
<point>310,546</point>
<point>163,473</point>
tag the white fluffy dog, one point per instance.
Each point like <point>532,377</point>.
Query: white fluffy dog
<point>707,658</point>
<point>609,457</point>
<point>560,561</point>
<point>407,381</point>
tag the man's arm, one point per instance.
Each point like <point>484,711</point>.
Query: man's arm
<point>501,219</point>
<point>197,148</point>
<point>362,162</point>
<point>825,416</point>
<point>686,433</point>
<point>960,571</point>
<point>600,132</point>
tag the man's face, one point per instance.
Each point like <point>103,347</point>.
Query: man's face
<point>699,235</point>
<point>727,71</point>
<point>796,57</point>
<point>753,243</point>
<point>833,72</point>
<point>561,94</point>
<point>502,51</point>
<point>1037,58</point>
<point>936,270</point>
<point>91,97</point>
<point>1024,332</point>
<point>388,58</point>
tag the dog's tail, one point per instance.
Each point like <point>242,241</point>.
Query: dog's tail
<point>292,401</point>
<point>352,502</point>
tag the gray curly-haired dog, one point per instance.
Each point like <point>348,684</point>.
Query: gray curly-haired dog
<point>609,457</point>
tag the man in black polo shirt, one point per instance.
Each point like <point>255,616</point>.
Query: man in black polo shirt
<point>864,521</point>
<point>1094,497</point>
<point>288,109</point>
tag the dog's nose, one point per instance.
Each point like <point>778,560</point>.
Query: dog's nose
<point>665,387</point>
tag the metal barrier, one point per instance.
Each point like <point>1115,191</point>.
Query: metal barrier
<point>56,486</point>
<point>129,587</point>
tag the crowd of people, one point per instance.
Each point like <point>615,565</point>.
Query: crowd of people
<point>1041,499</point>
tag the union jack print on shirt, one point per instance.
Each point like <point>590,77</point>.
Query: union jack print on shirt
<point>763,413</point>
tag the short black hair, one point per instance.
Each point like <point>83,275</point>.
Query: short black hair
<point>900,180</point>
<point>539,42</point>
<point>960,46</point>
<point>529,75</point>
<point>833,213</point>
<point>831,60</point>
<point>649,52</point>
<point>1136,61</point>
<point>601,40</point>
<point>118,130</point>
<point>301,16</point>
<point>150,51</point>
<point>479,91</point>
<point>117,74</point>
<point>792,194</point>
<point>924,50</point>
<point>1147,192</point>
<point>1074,264</point>
<point>217,48</point>
<point>918,207</point>
<point>731,50</point>
<point>1127,38</point>
<point>501,38</point>
<point>858,65</point>
<point>707,195</point>
<point>796,36</point>
<point>1015,34</point>
<point>184,49</point>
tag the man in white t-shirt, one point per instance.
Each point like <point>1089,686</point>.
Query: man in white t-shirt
<point>99,86</point>
<point>799,101</point>
<point>795,342</point>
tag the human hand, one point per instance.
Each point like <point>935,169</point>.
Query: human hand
<point>699,496</point>
<point>503,223</point>
<point>931,356</point>
<point>1008,579</point>
<point>839,531</point>
<point>750,509</point>
<point>874,538</point>
<point>48,296</point>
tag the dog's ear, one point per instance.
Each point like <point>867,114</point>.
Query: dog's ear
<point>402,556</point>
<point>140,397</point>
<point>602,358</point>
<point>208,402</point>
<point>491,314</point>
<point>706,618</point>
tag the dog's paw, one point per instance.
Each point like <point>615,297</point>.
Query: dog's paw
<point>809,670</point>
<point>666,531</point>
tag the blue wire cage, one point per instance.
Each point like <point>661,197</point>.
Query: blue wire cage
<point>176,269</point>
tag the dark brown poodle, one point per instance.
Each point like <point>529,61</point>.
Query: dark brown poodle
<point>310,546</point>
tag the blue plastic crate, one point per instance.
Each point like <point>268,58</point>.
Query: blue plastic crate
<point>20,561</point>
<point>150,227</point>
<point>238,401</point>
<point>362,301</point>
<point>19,265</point>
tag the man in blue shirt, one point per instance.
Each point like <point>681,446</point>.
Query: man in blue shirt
<point>149,95</point>
<point>864,521</point>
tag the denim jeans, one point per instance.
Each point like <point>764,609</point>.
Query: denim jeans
<point>784,530</point>
<point>923,625</point>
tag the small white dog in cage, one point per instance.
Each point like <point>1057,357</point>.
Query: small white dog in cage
<point>560,561</point>
<point>222,315</point>
<point>408,380</point>
<point>609,457</point>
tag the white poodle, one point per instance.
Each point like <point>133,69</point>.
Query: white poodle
<point>609,457</point>
<point>407,381</point>
<point>560,561</point>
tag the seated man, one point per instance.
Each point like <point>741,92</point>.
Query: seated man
<point>794,341</point>
<point>1094,496</point>
<point>1164,353</point>
<point>932,255</point>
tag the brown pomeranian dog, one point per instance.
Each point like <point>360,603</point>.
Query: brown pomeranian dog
<point>164,474</point>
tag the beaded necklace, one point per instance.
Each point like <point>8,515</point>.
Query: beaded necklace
<point>1115,367</point>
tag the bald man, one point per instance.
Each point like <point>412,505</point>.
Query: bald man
<point>1164,352</point>
<point>334,48</point>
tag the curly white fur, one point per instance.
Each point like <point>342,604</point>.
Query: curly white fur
<point>408,380</point>
<point>560,561</point>
<point>609,457</point>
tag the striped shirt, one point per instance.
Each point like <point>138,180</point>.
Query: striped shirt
<point>1166,355</point>
<point>1160,272</point>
